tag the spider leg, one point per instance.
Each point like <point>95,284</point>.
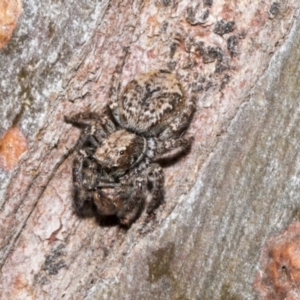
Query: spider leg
<point>115,87</point>
<point>83,119</point>
<point>77,170</point>
<point>87,173</point>
<point>82,202</point>
<point>98,124</point>
<point>87,144</point>
<point>133,204</point>
<point>82,199</point>
<point>156,178</point>
<point>171,148</point>
<point>181,122</point>
<point>104,180</point>
<point>87,178</point>
<point>105,205</point>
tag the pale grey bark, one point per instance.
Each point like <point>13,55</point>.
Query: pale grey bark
<point>238,186</point>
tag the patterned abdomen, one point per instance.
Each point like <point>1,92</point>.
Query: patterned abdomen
<point>150,102</point>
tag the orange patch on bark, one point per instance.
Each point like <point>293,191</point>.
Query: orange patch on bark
<point>279,275</point>
<point>12,145</point>
<point>9,14</point>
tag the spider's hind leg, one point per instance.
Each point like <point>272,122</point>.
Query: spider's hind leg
<point>96,123</point>
<point>172,148</point>
<point>115,87</point>
<point>83,119</point>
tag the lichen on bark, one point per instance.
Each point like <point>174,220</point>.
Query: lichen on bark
<point>237,185</point>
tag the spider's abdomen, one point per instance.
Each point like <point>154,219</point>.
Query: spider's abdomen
<point>150,102</point>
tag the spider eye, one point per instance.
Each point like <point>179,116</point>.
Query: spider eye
<point>121,152</point>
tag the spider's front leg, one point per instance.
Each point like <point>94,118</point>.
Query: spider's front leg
<point>82,202</point>
<point>133,192</point>
<point>107,201</point>
<point>82,198</point>
<point>88,177</point>
<point>155,176</point>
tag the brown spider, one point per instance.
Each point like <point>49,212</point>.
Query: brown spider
<point>116,167</point>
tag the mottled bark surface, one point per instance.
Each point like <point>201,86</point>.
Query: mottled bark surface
<point>238,185</point>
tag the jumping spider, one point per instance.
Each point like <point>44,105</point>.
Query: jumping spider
<point>116,167</point>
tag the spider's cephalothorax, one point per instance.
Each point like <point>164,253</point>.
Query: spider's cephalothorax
<point>120,151</point>
<point>116,167</point>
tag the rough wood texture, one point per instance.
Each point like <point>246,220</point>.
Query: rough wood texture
<point>238,186</point>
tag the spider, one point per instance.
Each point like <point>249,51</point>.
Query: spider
<point>118,154</point>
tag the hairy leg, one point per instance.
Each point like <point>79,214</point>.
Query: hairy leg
<point>83,119</point>
<point>82,202</point>
<point>115,87</point>
<point>84,172</point>
<point>171,148</point>
<point>106,204</point>
<point>82,198</point>
<point>87,178</point>
<point>156,178</point>
<point>98,124</point>
<point>135,193</point>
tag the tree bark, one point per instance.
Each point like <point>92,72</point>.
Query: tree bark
<point>237,187</point>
